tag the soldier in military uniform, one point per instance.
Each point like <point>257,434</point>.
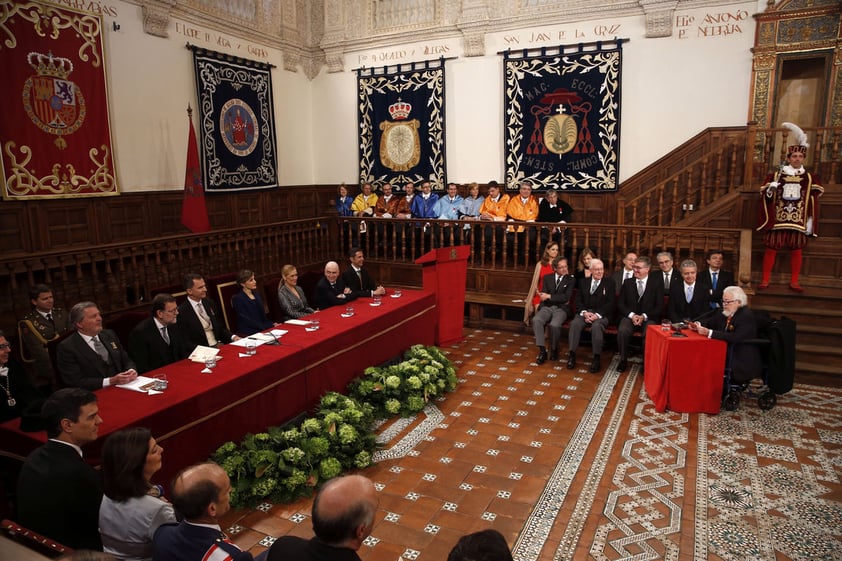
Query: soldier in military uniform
<point>43,324</point>
<point>789,210</point>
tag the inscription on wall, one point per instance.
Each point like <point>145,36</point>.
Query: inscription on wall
<point>392,56</point>
<point>87,5</point>
<point>712,24</point>
<point>220,41</point>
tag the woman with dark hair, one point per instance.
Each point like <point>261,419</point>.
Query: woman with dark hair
<point>132,507</point>
<point>583,267</point>
<point>542,268</point>
<point>485,545</point>
<point>291,296</point>
<point>343,201</point>
<point>248,305</point>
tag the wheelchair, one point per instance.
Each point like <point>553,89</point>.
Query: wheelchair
<point>776,346</point>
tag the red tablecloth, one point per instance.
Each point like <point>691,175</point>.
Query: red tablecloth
<point>199,412</point>
<point>684,374</point>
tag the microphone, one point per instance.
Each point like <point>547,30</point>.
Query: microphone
<point>705,315</point>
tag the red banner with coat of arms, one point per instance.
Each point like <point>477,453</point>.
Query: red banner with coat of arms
<point>54,130</point>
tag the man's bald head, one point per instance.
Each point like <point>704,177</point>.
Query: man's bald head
<point>202,492</point>
<point>343,511</point>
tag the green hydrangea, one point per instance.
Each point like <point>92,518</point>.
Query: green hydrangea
<point>227,448</point>
<point>329,400</point>
<point>415,403</point>
<point>292,455</point>
<point>352,415</point>
<point>329,468</point>
<point>291,435</point>
<point>264,487</point>
<point>318,446</point>
<point>331,418</point>
<point>414,382</point>
<point>393,382</point>
<point>297,479</point>
<point>393,406</point>
<point>311,426</point>
<point>362,459</point>
<point>347,434</point>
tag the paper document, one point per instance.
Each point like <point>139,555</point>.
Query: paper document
<point>202,354</point>
<point>297,322</point>
<point>140,384</point>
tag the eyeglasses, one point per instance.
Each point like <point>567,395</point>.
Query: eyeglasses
<point>729,301</point>
<point>5,346</point>
<point>662,262</point>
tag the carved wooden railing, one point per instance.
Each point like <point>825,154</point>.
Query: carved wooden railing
<point>713,164</point>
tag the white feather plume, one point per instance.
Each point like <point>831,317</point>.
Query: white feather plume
<point>800,135</point>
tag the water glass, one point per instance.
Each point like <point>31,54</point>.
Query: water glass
<point>378,300</point>
<point>210,362</point>
<point>314,325</point>
<point>398,293</point>
<point>251,347</point>
<point>160,382</point>
<point>665,325</point>
<point>349,311</point>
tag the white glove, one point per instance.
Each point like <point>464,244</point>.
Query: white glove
<point>386,215</point>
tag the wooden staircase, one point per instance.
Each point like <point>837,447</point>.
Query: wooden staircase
<point>709,175</point>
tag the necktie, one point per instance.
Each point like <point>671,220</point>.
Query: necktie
<point>165,335</point>
<point>557,282</point>
<point>626,275</point>
<point>689,293</point>
<point>50,318</point>
<point>594,284</point>
<point>715,275</point>
<point>100,348</point>
<point>666,281</point>
<point>360,277</point>
<point>200,310</point>
<point>639,288</point>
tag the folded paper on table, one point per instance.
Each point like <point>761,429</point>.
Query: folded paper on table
<point>202,354</point>
<point>297,322</point>
<point>255,339</point>
<point>140,384</point>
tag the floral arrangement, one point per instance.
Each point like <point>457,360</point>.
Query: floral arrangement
<point>405,388</point>
<point>283,463</point>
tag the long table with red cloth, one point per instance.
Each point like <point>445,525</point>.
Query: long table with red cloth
<point>684,374</point>
<point>199,412</point>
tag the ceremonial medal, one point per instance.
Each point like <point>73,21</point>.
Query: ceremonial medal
<point>11,401</point>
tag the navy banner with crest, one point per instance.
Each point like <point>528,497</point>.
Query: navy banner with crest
<point>236,122</point>
<point>401,120</point>
<point>562,115</point>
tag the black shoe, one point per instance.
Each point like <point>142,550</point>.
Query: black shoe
<point>571,360</point>
<point>554,354</point>
<point>595,364</point>
<point>542,357</point>
<point>623,365</point>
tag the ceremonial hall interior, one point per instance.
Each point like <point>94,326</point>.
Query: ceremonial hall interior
<point>564,462</point>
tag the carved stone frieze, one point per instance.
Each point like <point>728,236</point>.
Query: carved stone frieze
<point>156,16</point>
<point>659,23</point>
<point>473,43</point>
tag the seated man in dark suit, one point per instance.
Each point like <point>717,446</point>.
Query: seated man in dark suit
<point>93,357</point>
<point>715,278</point>
<point>155,341</point>
<point>199,320</point>
<point>734,325</point>
<point>58,493</point>
<point>690,298</point>
<point>640,304</point>
<point>201,494</point>
<point>16,389</point>
<point>668,272</point>
<point>625,273</point>
<point>331,290</point>
<point>357,279</point>
<point>594,308</point>
<point>344,512</point>
<point>556,291</point>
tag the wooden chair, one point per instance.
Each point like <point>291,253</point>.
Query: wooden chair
<point>123,324</point>
<point>224,293</point>
<point>308,282</point>
<point>175,290</point>
<point>270,291</point>
<point>52,350</point>
<point>33,541</point>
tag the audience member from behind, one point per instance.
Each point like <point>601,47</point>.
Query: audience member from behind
<point>199,320</point>
<point>43,324</point>
<point>155,341</point>
<point>331,290</point>
<point>543,268</point>
<point>343,517</point>
<point>357,279</point>
<point>291,296</point>
<point>16,390</point>
<point>86,555</point>
<point>58,493</point>
<point>132,508</point>
<point>248,305</point>
<point>93,357</point>
<point>201,494</point>
<point>486,545</point>
<point>734,325</point>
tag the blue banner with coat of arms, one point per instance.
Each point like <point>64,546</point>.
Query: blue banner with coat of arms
<point>401,120</point>
<point>562,116</point>
<point>236,122</point>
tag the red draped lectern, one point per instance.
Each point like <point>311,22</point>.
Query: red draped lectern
<point>445,274</point>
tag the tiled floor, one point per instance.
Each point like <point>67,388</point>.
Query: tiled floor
<point>566,464</point>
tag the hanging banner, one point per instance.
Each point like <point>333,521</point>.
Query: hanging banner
<point>401,121</point>
<point>55,137</point>
<point>562,115</point>
<point>236,122</point>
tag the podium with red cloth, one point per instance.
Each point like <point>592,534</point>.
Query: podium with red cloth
<point>445,271</point>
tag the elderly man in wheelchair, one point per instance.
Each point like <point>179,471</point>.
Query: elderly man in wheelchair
<point>737,326</point>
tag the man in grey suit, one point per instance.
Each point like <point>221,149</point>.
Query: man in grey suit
<point>556,290</point>
<point>93,357</point>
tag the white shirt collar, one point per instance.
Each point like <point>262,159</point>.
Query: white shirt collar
<point>78,450</point>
